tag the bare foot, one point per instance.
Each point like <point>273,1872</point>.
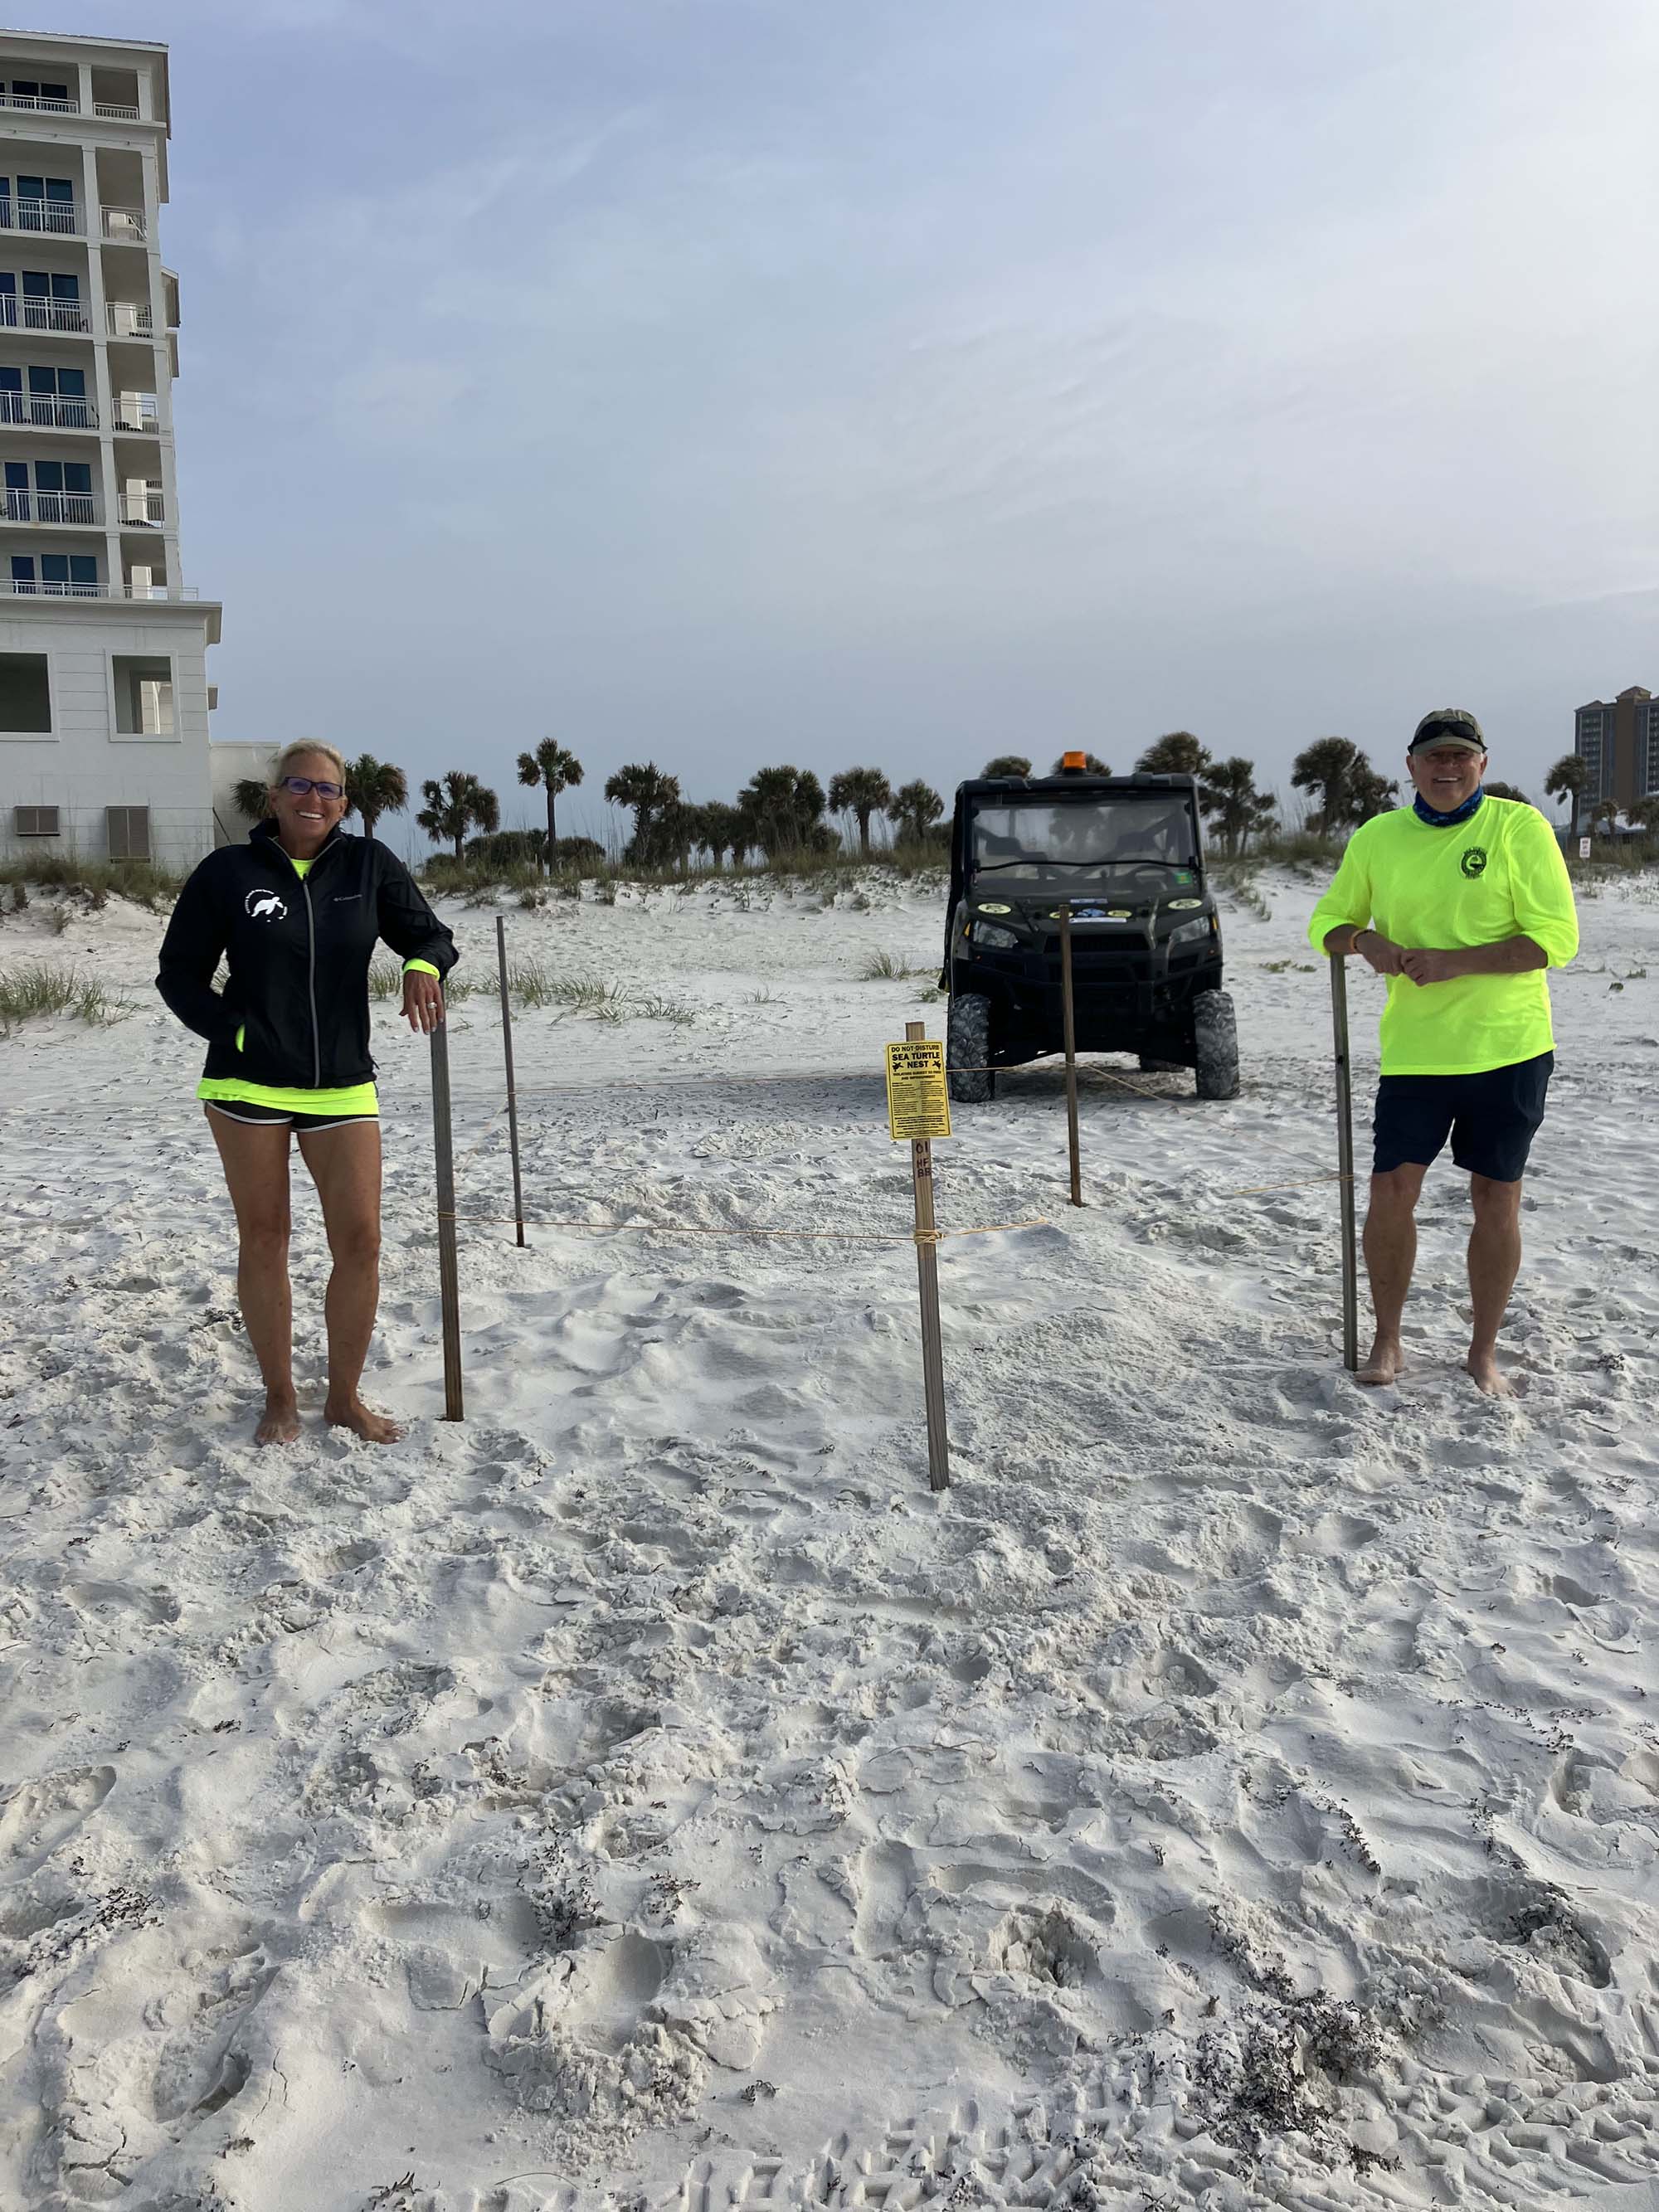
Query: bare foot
<point>1483,1366</point>
<point>372,1428</point>
<point>279,1424</point>
<point>1386,1364</point>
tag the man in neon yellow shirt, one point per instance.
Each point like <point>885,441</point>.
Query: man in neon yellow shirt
<point>1461,901</point>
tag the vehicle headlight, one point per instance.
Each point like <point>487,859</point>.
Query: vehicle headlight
<point>1188,932</point>
<point>993,936</point>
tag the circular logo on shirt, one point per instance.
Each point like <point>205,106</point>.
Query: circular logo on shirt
<point>1474,860</point>
<point>266,906</point>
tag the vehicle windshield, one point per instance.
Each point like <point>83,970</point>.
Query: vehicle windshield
<point>1066,839</point>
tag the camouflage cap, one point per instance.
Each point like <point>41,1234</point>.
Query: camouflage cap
<point>1453,727</point>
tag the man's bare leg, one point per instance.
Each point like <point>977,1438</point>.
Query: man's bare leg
<point>255,1159</point>
<point>1391,1255</point>
<point>346,1165</point>
<point>1494,1263</point>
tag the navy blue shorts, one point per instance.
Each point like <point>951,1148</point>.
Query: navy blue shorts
<point>1491,1119</point>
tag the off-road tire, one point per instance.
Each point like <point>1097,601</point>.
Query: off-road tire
<point>967,1049</point>
<point>1215,1035</point>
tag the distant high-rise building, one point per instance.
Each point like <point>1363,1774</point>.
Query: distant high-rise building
<point>103,650</point>
<point>1618,741</point>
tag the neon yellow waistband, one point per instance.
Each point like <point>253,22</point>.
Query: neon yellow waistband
<point>349,1098</point>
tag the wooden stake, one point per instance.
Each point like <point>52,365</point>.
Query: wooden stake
<point>449,1280</point>
<point>933,1337</point>
<point>1069,1016</point>
<point>512,1093</point>
<point>1345,1163</point>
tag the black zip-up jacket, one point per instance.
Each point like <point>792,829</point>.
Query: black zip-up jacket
<point>298,952</point>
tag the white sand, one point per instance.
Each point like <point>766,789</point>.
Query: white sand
<point>1239,1789</point>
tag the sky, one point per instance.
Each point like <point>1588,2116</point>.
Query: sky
<point>725,382</point>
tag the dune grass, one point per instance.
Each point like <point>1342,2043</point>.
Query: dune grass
<point>890,968</point>
<point>35,988</point>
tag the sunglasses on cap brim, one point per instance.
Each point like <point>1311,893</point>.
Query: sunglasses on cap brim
<point>1437,732</point>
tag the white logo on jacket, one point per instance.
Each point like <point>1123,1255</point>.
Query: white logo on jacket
<point>265,906</point>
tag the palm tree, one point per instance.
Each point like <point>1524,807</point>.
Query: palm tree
<point>675,829</point>
<point>1092,765</point>
<point>1644,811</point>
<point>1505,791</point>
<point>781,807</point>
<point>1007,764</point>
<point>859,791</point>
<point>1228,793</point>
<point>373,788</point>
<point>456,805</point>
<point>1566,779</point>
<point>914,808</point>
<point>720,827</point>
<point>252,796</point>
<point>1605,813</point>
<point>1370,792</point>
<point>643,787</point>
<point>1177,752</point>
<point>556,770</point>
<point>1336,768</point>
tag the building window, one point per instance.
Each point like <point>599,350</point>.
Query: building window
<point>34,821</point>
<point>128,832</point>
<point>25,696</point>
<point>63,575</point>
<point>61,492</point>
<point>49,301</point>
<point>42,204</point>
<point>56,398</point>
<point>144,697</point>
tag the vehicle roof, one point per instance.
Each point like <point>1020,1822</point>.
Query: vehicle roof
<point>1043,786</point>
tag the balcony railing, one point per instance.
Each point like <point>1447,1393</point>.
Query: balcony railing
<point>25,505</point>
<point>33,314</point>
<point>43,103</point>
<point>47,411</point>
<point>116,111</point>
<point>138,411</point>
<point>27,589</point>
<point>125,226</point>
<point>146,508</point>
<point>130,319</point>
<point>61,218</point>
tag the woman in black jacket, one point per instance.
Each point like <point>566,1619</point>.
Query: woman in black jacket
<point>296,913</point>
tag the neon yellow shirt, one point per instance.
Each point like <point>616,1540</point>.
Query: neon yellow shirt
<point>1500,874</point>
<point>344,1098</point>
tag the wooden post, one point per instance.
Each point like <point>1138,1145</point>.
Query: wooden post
<point>1345,1163</point>
<point>1069,1016</point>
<point>449,1280</point>
<point>512,1093</point>
<point>933,1338</point>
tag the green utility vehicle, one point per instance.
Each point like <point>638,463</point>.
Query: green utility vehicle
<point>1126,854</point>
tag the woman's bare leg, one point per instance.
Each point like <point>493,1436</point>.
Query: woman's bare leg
<point>255,1158</point>
<point>346,1165</point>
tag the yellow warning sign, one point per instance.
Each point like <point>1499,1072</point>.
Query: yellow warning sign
<point>918,1102</point>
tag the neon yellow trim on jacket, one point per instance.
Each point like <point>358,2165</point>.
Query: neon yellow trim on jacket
<point>349,1098</point>
<point>1500,874</point>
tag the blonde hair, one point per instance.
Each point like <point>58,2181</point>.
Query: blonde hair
<point>289,754</point>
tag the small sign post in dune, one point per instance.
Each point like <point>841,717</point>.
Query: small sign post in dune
<point>919,1109</point>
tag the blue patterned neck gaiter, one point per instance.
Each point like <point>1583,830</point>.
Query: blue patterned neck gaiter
<point>1426,813</point>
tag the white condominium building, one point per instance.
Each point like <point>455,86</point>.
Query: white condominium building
<point>104,694</point>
